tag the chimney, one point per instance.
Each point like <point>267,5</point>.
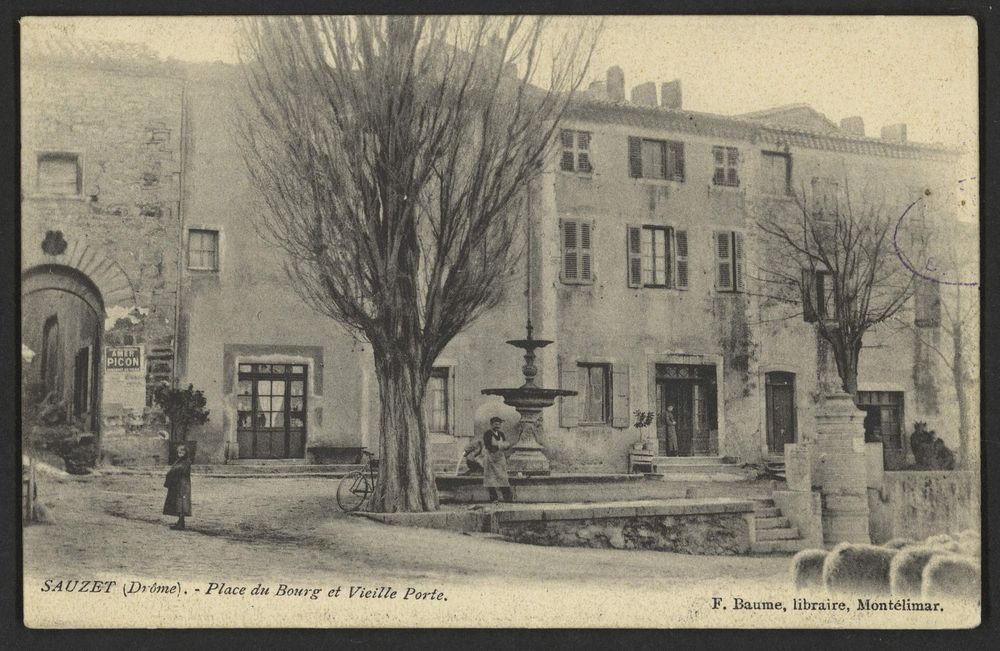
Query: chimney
<point>616,84</point>
<point>894,132</point>
<point>644,94</point>
<point>597,89</point>
<point>853,125</point>
<point>670,94</point>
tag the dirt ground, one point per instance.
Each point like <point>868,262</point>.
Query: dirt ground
<point>265,529</point>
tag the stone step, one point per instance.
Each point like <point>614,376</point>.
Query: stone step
<point>275,469</point>
<point>767,511</point>
<point>778,546</point>
<point>784,533</point>
<point>675,476</point>
<point>692,461</point>
<point>771,523</point>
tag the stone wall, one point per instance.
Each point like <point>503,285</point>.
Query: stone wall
<point>121,122</point>
<point>918,504</point>
<point>710,534</point>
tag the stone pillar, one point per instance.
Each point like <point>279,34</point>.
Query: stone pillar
<point>527,457</point>
<point>840,444</point>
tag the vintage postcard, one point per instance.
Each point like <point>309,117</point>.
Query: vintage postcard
<point>520,321</point>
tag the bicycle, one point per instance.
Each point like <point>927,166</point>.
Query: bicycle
<point>357,487</point>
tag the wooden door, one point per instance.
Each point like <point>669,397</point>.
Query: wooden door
<point>780,406</point>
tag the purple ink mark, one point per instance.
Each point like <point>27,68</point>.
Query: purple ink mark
<point>909,265</point>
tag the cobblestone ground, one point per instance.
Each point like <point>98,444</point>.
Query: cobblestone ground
<point>267,529</point>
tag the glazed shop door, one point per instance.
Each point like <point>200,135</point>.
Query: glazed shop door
<point>271,411</point>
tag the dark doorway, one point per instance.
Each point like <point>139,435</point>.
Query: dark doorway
<point>884,423</point>
<point>691,389</point>
<point>780,405</point>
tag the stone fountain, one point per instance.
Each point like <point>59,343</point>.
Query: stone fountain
<point>529,400</point>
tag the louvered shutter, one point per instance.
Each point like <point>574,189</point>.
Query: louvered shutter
<point>633,249</point>
<point>681,259</point>
<point>620,396</point>
<point>676,169</point>
<point>808,306</point>
<point>568,405</point>
<point>738,260</point>
<point>583,156</point>
<point>635,157</point>
<point>570,254</point>
<point>567,163</point>
<point>586,253</point>
<point>723,262</point>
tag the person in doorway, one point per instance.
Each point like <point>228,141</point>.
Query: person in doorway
<point>473,456</point>
<point>670,427</point>
<point>178,485</point>
<point>495,476</point>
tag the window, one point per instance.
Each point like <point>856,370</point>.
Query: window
<point>726,166</point>
<point>883,417</point>
<point>595,393</point>
<point>51,352</point>
<point>576,251</point>
<point>575,151</point>
<point>656,159</point>
<point>657,257</point>
<point>59,173</point>
<point>728,261</point>
<point>436,403</point>
<point>203,249</point>
<point>776,173</point>
<point>825,197</point>
<point>817,299</point>
<point>927,304</point>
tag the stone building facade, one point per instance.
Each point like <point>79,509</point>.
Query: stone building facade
<point>101,167</point>
<point>643,249</point>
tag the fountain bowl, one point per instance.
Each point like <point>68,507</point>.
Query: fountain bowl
<point>529,397</point>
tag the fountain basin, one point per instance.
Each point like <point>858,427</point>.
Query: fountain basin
<point>529,397</point>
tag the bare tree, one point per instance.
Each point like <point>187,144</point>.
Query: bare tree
<point>831,253</point>
<point>948,281</point>
<point>393,156</point>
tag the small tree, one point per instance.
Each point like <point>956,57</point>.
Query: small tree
<point>831,254</point>
<point>184,408</point>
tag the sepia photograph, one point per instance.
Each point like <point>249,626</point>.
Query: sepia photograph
<point>367,321</point>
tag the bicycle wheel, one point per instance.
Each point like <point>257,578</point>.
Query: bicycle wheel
<point>353,491</point>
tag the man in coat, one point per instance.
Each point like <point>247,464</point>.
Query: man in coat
<point>178,485</point>
<point>495,446</point>
<point>668,444</point>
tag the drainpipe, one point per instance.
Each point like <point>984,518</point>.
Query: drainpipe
<point>175,347</point>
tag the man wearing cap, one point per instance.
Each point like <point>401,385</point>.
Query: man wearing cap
<point>495,461</point>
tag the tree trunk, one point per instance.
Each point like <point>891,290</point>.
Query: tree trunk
<point>405,478</point>
<point>962,394</point>
<point>846,355</point>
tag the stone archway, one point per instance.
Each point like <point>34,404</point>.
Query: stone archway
<point>62,317</point>
<point>107,276</point>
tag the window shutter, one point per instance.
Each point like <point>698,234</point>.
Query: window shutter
<point>635,157</point>
<point>568,405</point>
<point>586,254</point>
<point>453,408</point>
<point>567,161</point>
<point>584,158</point>
<point>738,260</point>
<point>633,249</point>
<point>808,308</point>
<point>681,259</point>
<point>570,257</point>
<point>723,262</point>
<point>620,396</point>
<point>676,170</point>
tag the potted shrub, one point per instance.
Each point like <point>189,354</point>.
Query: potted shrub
<point>183,408</point>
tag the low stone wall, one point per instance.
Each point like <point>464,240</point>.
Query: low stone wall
<point>918,504</point>
<point>705,529</point>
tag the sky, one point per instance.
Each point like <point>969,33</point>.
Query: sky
<point>917,70</point>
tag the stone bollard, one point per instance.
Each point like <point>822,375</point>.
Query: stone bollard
<point>840,444</point>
